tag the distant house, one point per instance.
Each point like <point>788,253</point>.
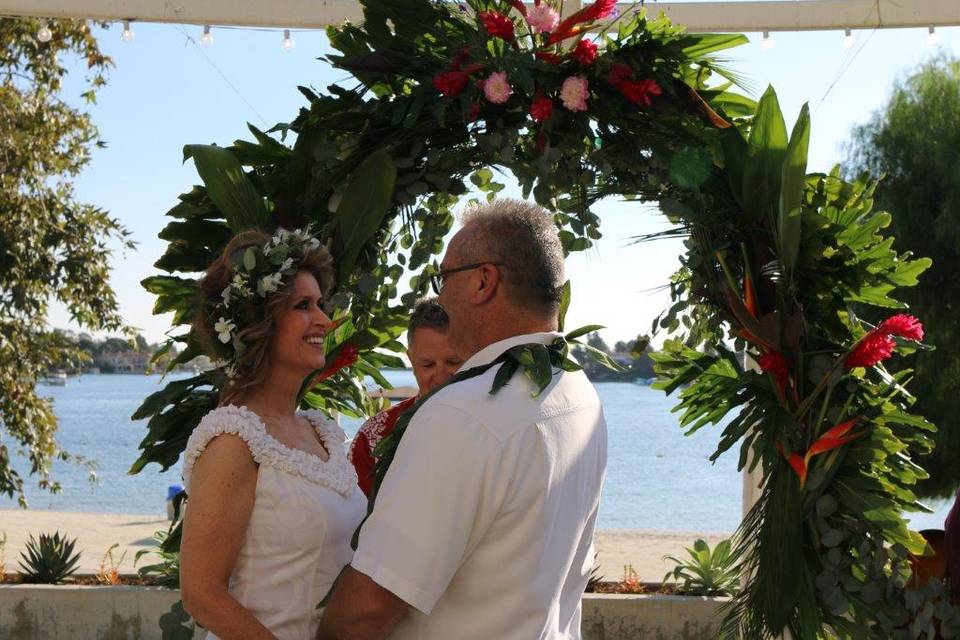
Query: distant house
<point>124,361</point>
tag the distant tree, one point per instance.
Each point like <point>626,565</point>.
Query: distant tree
<point>915,142</point>
<point>142,344</point>
<point>595,341</point>
<point>51,246</point>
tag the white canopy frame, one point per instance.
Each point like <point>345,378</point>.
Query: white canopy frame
<point>725,16</point>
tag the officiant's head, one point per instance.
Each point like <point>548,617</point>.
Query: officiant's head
<point>433,359</point>
<point>502,274</point>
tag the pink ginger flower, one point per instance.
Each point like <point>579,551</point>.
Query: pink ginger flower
<point>543,18</point>
<point>496,88</point>
<point>574,93</point>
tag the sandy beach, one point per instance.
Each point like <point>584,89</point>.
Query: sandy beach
<point>95,532</point>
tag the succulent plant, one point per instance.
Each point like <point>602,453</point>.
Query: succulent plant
<point>49,560</point>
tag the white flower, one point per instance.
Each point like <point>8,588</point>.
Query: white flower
<point>224,328</point>
<point>312,244</point>
<point>269,283</point>
<point>226,296</point>
<point>286,264</point>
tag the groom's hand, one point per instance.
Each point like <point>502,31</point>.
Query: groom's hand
<point>360,609</point>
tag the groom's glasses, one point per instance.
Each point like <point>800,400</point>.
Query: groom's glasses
<point>437,278</point>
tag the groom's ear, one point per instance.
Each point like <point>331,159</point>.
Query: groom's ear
<point>490,281</point>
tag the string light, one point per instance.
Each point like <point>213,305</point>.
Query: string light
<point>287,43</point>
<point>768,42</point>
<point>44,34</point>
<point>127,35</point>
<point>933,38</point>
<point>848,39</point>
<point>207,38</point>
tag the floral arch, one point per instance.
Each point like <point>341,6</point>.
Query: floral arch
<point>778,263</point>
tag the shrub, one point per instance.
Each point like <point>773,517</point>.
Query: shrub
<point>50,560</point>
<point>706,573</point>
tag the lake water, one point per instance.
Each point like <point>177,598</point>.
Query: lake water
<point>657,479</point>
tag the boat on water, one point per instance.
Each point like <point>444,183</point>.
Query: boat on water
<point>58,379</point>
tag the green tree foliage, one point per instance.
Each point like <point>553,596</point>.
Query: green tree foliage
<point>52,248</point>
<point>914,140</point>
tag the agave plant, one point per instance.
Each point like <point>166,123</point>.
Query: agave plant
<point>50,560</point>
<point>706,573</point>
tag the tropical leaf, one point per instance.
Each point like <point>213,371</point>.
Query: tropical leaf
<point>229,187</point>
<point>363,207</point>
<point>766,148</point>
<point>792,184</point>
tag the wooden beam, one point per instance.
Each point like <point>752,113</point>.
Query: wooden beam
<point>727,16</point>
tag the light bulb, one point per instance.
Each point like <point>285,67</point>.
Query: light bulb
<point>207,38</point>
<point>44,34</point>
<point>287,43</point>
<point>768,42</point>
<point>848,39</point>
<point>933,38</point>
<point>127,35</point>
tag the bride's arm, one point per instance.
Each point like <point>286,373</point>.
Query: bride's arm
<point>223,488</point>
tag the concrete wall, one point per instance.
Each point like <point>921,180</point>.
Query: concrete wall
<point>43,612</point>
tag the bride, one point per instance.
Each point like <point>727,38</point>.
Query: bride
<point>273,498</point>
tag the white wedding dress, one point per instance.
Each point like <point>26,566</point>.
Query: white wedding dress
<point>305,511</point>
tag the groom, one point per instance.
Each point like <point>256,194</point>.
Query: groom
<point>483,525</point>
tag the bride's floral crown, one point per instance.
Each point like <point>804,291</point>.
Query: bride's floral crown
<point>259,270</point>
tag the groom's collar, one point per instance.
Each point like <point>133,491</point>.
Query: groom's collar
<point>492,351</point>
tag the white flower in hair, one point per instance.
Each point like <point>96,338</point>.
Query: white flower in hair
<point>224,328</point>
<point>286,264</point>
<point>269,283</point>
<point>226,296</point>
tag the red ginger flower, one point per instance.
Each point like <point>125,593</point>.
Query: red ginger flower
<point>451,84</point>
<point>347,356</point>
<point>578,21</point>
<point>546,56</point>
<point>902,325</point>
<point>640,91</point>
<point>619,72</point>
<point>873,348</point>
<point>519,6</point>
<point>497,25</point>
<point>541,108</point>
<point>774,363</point>
<point>585,52</point>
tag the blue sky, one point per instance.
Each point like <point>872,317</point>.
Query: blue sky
<point>166,92</point>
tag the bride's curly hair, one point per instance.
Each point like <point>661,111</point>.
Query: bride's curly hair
<point>252,363</point>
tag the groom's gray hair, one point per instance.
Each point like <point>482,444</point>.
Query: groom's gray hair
<point>523,238</point>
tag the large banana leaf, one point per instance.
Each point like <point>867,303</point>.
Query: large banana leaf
<point>229,187</point>
<point>704,43</point>
<point>363,207</point>
<point>766,148</point>
<point>792,183</point>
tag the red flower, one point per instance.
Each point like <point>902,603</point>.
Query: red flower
<point>619,73</point>
<point>873,348</point>
<point>497,25</point>
<point>902,325</point>
<point>451,83</point>
<point>774,363</point>
<point>578,21</point>
<point>541,108</point>
<point>519,6</point>
<point>546,56</point>
<point>641,91</point>
<point>542,141</point>
<point>585,52</point>
<point>347,356</point>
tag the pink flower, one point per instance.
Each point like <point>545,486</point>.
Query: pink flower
<point>541,108</point>
<point>574,93</point>
<point>497,25</point>
<point>873,348</point>
<point>585,52</point>
<point>902,325</point>
<point>496,88</point>
<point>543,17</point>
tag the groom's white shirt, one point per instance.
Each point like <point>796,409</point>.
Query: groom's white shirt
<point>484,523</point>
